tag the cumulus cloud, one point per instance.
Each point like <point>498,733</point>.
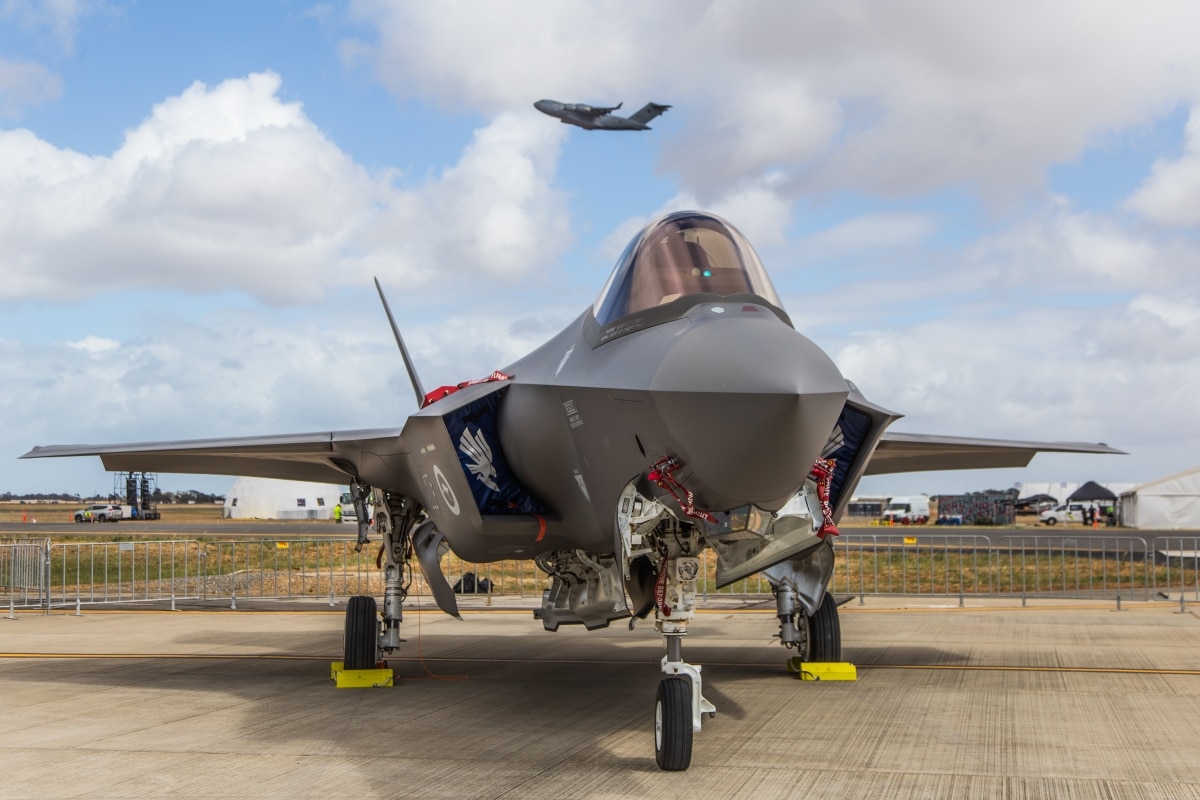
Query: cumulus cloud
<point>1063,250</point>
<point>231,187</point>
<point>1062,374</point>
<point>865,94</point>
<point>1170,196</point>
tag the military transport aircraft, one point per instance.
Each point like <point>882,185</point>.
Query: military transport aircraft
<point>600,119</point>
<point>682,411</point>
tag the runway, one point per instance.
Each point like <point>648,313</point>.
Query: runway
<point>1057,699</point>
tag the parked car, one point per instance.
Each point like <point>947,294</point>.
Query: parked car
<point>1068,512</point>
<point>99,512</point>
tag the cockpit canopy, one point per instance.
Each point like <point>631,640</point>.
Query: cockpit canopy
<point>681,254</point>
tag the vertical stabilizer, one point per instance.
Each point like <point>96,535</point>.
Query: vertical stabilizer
<point>648,112</point>
<point>408,363</point>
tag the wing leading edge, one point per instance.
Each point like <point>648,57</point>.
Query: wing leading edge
<point>330,457</point>
<point>919,452</point>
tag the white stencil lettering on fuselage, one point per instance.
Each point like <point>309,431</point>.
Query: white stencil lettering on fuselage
<point>574,419</point>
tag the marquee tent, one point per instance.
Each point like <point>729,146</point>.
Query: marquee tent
<point>1171,503</point>
<point>1092,492</point>
<point>266,498</point>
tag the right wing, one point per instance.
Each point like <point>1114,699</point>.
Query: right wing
<point>333,457</point>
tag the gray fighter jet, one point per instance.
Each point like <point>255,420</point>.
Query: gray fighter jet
<point>682,411</point>
<point>600,119</point>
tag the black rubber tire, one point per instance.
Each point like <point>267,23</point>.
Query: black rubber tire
<point>825,632</point>
<point>673,724</point>
<point>1051,521</point>
<point>361,641</point>
<point>79,518</point>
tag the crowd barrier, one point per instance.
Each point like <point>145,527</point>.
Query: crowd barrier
<point>43,574</point>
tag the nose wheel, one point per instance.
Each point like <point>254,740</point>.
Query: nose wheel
<point>673,729</point>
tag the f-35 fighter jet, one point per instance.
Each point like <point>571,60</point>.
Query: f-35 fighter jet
<point>681,412</point>
<point>600,119</point>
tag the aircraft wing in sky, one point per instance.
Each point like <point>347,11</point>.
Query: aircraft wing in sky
<point>331,457</point>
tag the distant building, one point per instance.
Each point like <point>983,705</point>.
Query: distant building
<point>866,507</point>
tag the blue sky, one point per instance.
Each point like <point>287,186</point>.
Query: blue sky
<point>987,216</point>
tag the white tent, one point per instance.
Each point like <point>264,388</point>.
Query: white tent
<point>1061,490</point>
<point>266,498</point>
<point>1171,503</point>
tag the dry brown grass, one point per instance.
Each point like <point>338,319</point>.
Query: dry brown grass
<point>64,512</point>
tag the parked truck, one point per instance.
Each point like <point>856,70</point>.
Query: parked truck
<point>913,510</point>
<point>349,513</point>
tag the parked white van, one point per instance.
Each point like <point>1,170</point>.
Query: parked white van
<point>1068,512</point>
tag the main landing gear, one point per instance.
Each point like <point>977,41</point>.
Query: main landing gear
<point>367,639</point>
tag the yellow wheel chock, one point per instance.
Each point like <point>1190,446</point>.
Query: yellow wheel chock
<point>359,678</point>
<point>822,670</point>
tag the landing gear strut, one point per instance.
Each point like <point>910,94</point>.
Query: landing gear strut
<point>680,704</point>
<point>817,637</point>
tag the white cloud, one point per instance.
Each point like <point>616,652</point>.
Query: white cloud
<point>1061,250</point>
<point>230,187</point>
<point>95,345</point>
<point>1170,196</point>
<point>872,231</point>
<point>24,84</point>
<point>59,19</point>
<point>1063,374</point>
<point>865,94</point>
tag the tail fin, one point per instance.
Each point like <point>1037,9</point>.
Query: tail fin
<point>408,363</point>
<point>648,112</point>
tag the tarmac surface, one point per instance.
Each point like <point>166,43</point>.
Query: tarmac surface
<point>1054,700</point>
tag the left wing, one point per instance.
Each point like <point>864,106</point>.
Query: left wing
<point>919,452</point>
<point>332,457</point>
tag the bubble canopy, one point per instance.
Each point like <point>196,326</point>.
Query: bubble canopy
<point>682,254</point>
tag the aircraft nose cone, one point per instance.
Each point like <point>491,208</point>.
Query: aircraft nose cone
<point>748,404</point>
<point>543,106</point>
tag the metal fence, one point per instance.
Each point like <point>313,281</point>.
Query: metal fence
<point>1082,567</point>
<point>42,574</point>
<point>23,571</point>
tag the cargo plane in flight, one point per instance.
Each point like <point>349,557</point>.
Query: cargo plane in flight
<point>681,412</point>
<point>594,118</point>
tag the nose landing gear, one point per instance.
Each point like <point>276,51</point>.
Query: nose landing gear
<point>680,704</point>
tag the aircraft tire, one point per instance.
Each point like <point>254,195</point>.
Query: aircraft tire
<point>673,724</point>
<point>361,641</point>
<point>825,632</point>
